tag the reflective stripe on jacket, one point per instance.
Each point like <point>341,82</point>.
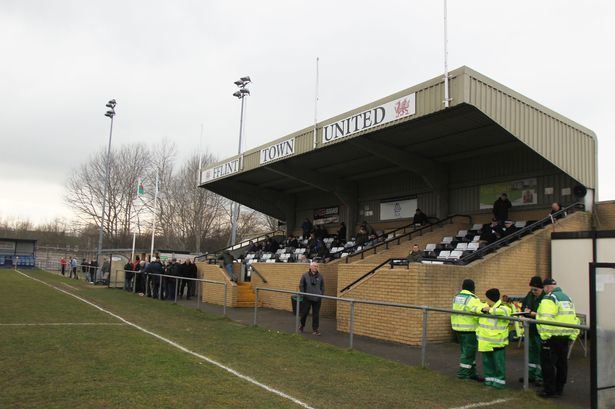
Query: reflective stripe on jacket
<point>557,307</point>
<point>492,332</point>
<point>467,302</point>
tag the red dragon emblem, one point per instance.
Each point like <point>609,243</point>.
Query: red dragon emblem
<point>401,107</point>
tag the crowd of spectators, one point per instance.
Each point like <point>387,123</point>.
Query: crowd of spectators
<point>159,280</point>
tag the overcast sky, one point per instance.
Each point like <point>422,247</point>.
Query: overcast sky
<point>171,67</point>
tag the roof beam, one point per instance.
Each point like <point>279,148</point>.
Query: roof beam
<point>434,174</point>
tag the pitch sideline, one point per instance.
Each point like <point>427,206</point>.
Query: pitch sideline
<point>178,346</point>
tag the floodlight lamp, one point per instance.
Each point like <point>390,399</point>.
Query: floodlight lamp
<point>245,79</point>
<point>238,83</point>
<point>245,91</point>
<point>112,103</point>
<point>110,114</point>
<point>237,94</point>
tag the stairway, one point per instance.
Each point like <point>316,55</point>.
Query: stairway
<point>245,295</point>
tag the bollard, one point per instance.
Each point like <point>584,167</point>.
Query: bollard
<point>526,355</point>
<point>255,305</point>
<point>175,302</point>
<point>297,314</point>
<point>424,340</point>
<point>160,281</point>
<point>198,294</point>
<point>351,324</point>
<point>225,290</point>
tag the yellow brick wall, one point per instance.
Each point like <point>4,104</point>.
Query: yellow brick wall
<point>286,276</point>
<point>214,293</point>
<point>509,269</point>
<point>604,215</point>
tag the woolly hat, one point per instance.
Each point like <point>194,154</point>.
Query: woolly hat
<point>468,285</point>
<point>493,294</point>
<point>536,282</point>
<point>549,281</point>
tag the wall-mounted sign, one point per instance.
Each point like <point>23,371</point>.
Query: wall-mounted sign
<point>278,150</point>
<point>520,193</point>
<point>227,168</point>
<point>362,121</point>
<point>327,215</point>
<point>398,209</point>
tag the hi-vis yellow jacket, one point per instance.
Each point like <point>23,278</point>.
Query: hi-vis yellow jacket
<point>492,332</point>
<point>557,307</point>
<point>467,302</point>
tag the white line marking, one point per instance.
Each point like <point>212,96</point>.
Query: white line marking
<point>482,404</point>
<point>57,324</point>
<point>178,346</point>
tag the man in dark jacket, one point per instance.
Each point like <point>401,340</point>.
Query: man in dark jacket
<point>341,233</point>
<point>312,283</point>
<point>500,208</point>
<point>419,218</point>
<point>227,260</point>
<point>153,270</point>
<point>530,306</point>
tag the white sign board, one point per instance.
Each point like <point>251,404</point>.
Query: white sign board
<point>224,169</point>
<point>278,151</point>
<point>391,111</point>
<point>400,209</point>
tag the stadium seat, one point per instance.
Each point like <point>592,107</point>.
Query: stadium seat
<point>461,247</point>
<point>447,240</point>
<point>444,254</point>
<point>520,224</point>
<point>473,246</point>
<point>455,255</point>
<point>430,247</point>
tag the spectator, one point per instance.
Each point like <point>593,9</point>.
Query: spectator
<point>73,267</point>
<point>321,232</point>
<point>84,268</point>
<point>63,265</point>
<point>362,236</point>
<point>341,233</point>
<point>500,208</point>
<point>154,271</point>
<point>292,242</point>
<point>92,271</point>
<point>227,261</point>
<point>492,232</point>
<point>128,274</point>
<point>306,226</point>
<point>556,207</point>
<point>253,247</point>
<point>137,279</point>
<point>508,229</point>
<point>416,255</point>
<point>419,218</point>
<point>312,283</point>
<point>369,229</point>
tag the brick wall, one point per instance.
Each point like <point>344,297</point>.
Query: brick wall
<point>510,270</point>
<point>214,293</point>
<point>286,276</point>
<point>604,215</point>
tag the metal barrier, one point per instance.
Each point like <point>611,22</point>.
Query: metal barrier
<point>177,279</point>
<point>55,266</point>
<point>425,311</point>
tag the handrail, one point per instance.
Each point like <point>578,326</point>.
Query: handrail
<point>515,235</point>
<point>425,307</point>
<point>410,233</point>
<point>370,272</point>
<point>259,274</point>
<point>245,242</point>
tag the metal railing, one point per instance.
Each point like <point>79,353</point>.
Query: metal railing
<point>425,315</point>
<point>408,234</point>
<point>241,244</point>
<point>163,278</point>
<point>55,266</point>
<point>258,274</point>
<point>504,241</point>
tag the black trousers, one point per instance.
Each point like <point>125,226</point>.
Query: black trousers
<point>315,306</point>
<point>554,363</point>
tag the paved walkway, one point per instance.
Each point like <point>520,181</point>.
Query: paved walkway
<point>441,357</point>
